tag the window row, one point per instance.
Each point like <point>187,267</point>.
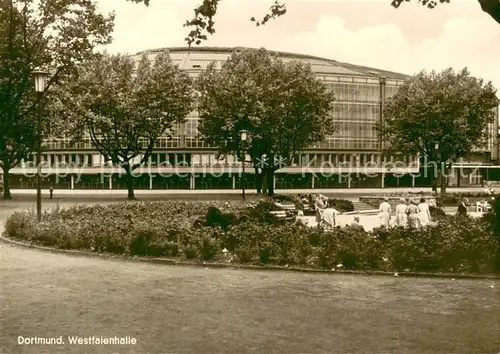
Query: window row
<point>208,159</point>
<point>349,111</point>
<point>348,144</point>
<point>355,92</point>
<point>355,130</point>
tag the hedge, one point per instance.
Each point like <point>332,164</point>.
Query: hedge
<point>200,231</point>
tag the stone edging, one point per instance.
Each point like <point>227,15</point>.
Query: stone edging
<point>167,261</point>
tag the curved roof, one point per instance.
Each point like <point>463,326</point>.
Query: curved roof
<point>323,65</point>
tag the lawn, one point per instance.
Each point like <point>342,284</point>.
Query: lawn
<point>197,310</point>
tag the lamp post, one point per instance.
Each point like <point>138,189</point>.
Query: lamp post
<point>3,178</point>
<point>40,77</point>
<point>243,137</point>
<point>438,177</point>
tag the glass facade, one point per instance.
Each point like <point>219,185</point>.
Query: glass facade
<point>360,94</point>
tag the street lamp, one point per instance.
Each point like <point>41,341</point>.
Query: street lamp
<point>40,77</point>
<point>243,138</point>
<point>438,182</point>
<point>3,178</point>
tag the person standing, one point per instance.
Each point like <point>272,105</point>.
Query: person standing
<point>329,217</point>
<point>385,212</point>
<point>319,206</point>
<point>424,213</point>
<point>412,213</point>
<point>401,218</point>
<point>462,208</point>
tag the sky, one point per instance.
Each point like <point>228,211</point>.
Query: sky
<point>363,32</point>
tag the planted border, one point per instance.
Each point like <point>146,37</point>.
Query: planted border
<point>202,231</point>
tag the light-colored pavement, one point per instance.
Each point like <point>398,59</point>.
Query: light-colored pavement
<point>170,309</point>
<point>340,191</point>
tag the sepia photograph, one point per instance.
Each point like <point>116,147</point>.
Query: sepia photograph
<point>249,176</point>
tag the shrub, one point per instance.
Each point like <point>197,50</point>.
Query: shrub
<point>282,198</point>
<point>447,200</point>
<point>216,218</point>
<point>341,205</point>
<point>455,244</point>
<point>18,223</point>
<point>437,213</point>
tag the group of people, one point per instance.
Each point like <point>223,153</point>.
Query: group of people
<point>325,213</point>
<point>407,213</point>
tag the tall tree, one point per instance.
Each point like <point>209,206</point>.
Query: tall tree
<point>125,109</point>
<point>281,104</point>
<point>203,22</point>
<point>55,35</point>
<point>450,109</point>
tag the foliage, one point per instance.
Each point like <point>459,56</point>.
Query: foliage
<point>125,108</point>
<point>283,198</point>
<point>203,23</point>
<point>256,213</point>
<point>51,35</point>
<point>341,205</point>
<point>450,109</point>
<point>493,217</point>
<point>282,105</point>
<point>165,229</point>
<point>437,213</point>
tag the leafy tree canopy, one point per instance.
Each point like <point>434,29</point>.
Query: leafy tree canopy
<point>203,22</point>
<point>452,109</point>
<point>54,35</point>
<point>282,105</point>
<point>125,108</point>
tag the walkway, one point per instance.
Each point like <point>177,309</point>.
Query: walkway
<point>159,192</point>
<point>197,310</point>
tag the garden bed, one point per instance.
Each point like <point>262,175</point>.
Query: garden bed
<point>251,235</point>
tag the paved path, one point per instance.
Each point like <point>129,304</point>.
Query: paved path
<point>328,191</point>
<point>196,310</point>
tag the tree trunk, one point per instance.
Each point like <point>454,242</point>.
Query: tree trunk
<point>491,7</point>
<point>258,181</point>
<point>6,184</point>
<point>270,182</point>
<point>130,185</point>
<point>444,178</point>
<point>264,183</point>
<point>435,181</point>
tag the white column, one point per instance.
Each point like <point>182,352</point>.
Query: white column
<point>382,182</point>
<point>413,181</point>
<point>349,181</point>
<point>274,181</point>
<point>234,181</point>
<point>72,181</point>
<point>312,181</point>
<point>150,181</point>
<point>192,181</point>
<point>110,182</point>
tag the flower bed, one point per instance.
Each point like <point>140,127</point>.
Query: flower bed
<point>201,231</point>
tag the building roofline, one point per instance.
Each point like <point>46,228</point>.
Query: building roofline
<point>365,69</point>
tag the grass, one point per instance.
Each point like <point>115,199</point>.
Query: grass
<point>196,310</point>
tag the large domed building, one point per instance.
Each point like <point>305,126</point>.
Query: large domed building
<point>350,158</point>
